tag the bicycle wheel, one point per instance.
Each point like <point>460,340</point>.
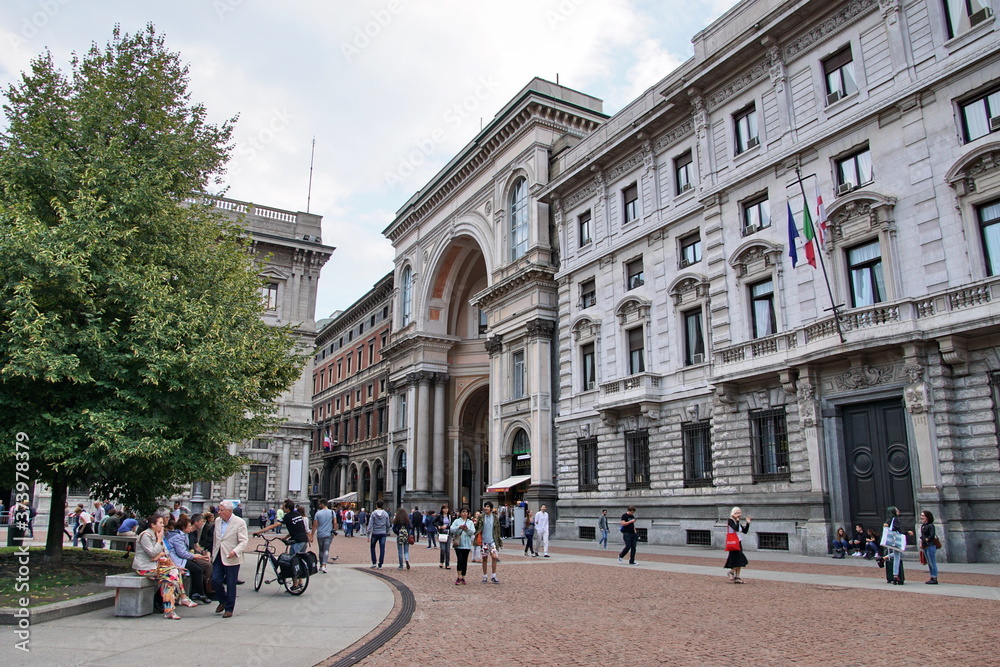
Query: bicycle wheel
<point>258,576</point>
<point>301,575</point>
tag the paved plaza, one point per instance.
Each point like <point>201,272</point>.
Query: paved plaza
<point>579,607</point>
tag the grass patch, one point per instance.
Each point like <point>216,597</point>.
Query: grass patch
<point>81,573</point>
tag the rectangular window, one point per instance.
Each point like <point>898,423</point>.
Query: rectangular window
<point>519,379</point>
<point>865,266</point>
<point>634,276</point>
<point>762,308</point>
<point>257,483</point>
<point>269,294</point>
<point>694,338</point>
<point>368,425</point>
<point>583,225</point>
<point>746,129</point>
<point>690,250</point>
<point>588,293</point>
<point>769,437</point>
<point>964,14</point>
<point>587,453</point>
<point>637,459</point>
<point>383,339</point>
<point>357,428</point>
<point>484,323</point>
<point>401,411</point>
<point>349,363</point>
<point>371,390</point>
<point>854,170</point>
<point>756,215</point>
<point>839,72</point>
<point>981,116</point>
<point>589,367</point>
<point>381,420</point>
<point>630,200</point>
<point>989,222</point>
<point>371,352</point>
<point>697,453</point>
<point>682,172</point>
<point>340,369</point>
<point>636,352</point>
<point>338,405</point>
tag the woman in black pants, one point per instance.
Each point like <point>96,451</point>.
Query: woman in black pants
<point>529,533</point>
<point>462,529</point>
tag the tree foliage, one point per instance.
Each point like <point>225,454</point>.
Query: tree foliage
<point>131,345</point>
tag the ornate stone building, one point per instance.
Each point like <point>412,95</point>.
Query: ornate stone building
<point>472,350</point>
<point>350,400</point>
<point>699,370</point>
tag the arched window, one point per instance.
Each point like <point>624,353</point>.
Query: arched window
<point>521,454</point>
<point>406,297</point>
<point>519,219</point>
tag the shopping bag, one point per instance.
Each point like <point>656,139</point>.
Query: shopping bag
<point>892,539</point>
<point>732,542</point>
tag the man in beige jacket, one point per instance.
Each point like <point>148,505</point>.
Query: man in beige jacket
<point>231,539</point>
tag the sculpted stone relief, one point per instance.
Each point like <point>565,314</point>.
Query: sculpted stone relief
<point>861,378</point>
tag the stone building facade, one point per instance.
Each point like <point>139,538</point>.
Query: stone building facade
<point>473,344</point>
<point>699,370</point>
<point>350,400</point>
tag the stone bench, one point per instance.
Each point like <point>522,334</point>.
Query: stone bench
<point>133,594</point>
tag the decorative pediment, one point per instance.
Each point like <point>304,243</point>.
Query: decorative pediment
<point>857,213</point>
<point>688,287</point>
<point>586,328</point>
<point>966,171</point>
<point>755,257</point>
<point>632,309</point>
<point>275,273</point>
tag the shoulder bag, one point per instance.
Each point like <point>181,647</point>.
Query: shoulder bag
<point>732,542</point>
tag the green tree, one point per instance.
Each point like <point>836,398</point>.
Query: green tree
<point>131,345</point>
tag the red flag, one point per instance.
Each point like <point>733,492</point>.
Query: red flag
<point>820,218</point>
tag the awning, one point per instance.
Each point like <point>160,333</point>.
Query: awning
<point>351,497</point>
<point>508,484</point>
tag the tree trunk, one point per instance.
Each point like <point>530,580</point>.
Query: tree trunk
<point>57,514</point>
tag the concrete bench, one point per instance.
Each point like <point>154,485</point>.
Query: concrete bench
<point>133,594</point>
<point>119,542</point>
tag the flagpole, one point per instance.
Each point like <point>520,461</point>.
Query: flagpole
<point>312,157</point>
<point>829,290</point>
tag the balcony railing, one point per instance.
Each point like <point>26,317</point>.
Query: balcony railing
<point>631,390</point>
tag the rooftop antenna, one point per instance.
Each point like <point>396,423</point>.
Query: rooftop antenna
<point>557,78</point>
<point>312,157</point>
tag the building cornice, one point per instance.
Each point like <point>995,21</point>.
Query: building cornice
<point>532,277</point>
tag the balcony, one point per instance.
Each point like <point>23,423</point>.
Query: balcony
<point>635,391</point>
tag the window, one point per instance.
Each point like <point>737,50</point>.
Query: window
<point>588,366</point>
<point>854,170</point>
<point>588,293</point>
<point>368,425</point>
<point>406,297</point>
<point>981,116</point>
<point>697,453</point>
<point>839,72</point>
<point>349,355</point>
<point>340,369</point>
<point>770,444</point>
<point>357,428</point>
<point>371,390</point>
<point>337,402</point>
<point>634,276</point>
<point>521,464</point>
<point>583,225</point>
<point>682,172</point>
<point>694,339</point>
<point>989,222</point>
<point>519,371</point>
<point>746,129</point>
<point>257,483</point>
<point>630,200</point>
<point>587,452</point>
<point>381,420</point>
<point>865,267</point>
<point>383,339</point>
<point>762,308</point>
<point>964,14</point>
<point>401,411</point>
<point>484,323</point>
<point>636,352</point>
<point>269,293</point>
<point>637,459</point>
<point>690,250</point>
<point>519,219</point>
<point>756,215</point>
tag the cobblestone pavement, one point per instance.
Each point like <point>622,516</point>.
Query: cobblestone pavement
<point>564,611</point>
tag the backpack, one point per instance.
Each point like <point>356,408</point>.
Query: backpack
<point>403,536</point>
<point>312,561</point>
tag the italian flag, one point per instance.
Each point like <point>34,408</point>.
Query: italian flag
<point>810,234</point>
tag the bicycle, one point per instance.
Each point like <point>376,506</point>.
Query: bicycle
<point>267,555</point>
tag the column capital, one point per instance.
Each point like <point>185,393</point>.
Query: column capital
<point>540,328</point>
<point>494,344</point>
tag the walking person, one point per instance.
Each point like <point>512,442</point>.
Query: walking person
<point>892,523</point>
<point>529,534</point>
<point>629,535</point>
<point>430,529</point>
<point>929,542</point>
<point>324,527</point>
<point>462,529</point>
<point>602,526</point>
<point>477,550</point>
<point>443,524</point>
<point>229,543</point>
<point>349,523</point>
<point>542,529</point>
<point>362,521</point>
<point>488,530</point>
<point>736,560</point>
<point>378,532</point>
<point>402,527</point>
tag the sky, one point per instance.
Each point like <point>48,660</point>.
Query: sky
<point>371,82</point>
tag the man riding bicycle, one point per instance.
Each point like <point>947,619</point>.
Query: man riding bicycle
<point>298,536</point>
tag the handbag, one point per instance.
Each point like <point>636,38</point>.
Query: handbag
<point>411,540</point>
<point>937,542</point>
<point>479,540</point>
<point>892,539</point>
<point>443,537</point>
<point>732,542</point>
<point>923,559</point>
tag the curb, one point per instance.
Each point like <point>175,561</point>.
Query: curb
<point>50,612</point>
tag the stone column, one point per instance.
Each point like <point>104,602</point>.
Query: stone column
<point>305,486</point>
<point>286,456</point>
<point>456,468</point>
<point>440,379</point>
<point>422,413</point>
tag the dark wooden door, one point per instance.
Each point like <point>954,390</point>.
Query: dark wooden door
<point>878,463</point>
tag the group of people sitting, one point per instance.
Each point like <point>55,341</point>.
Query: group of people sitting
<point>861,544</point>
